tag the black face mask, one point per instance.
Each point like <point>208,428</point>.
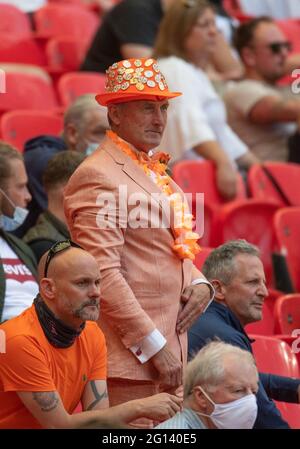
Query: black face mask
<point>57,333</point>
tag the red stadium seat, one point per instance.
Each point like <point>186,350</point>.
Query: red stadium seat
<point>25,51</point>
<point>19,126</point>
<point>201,257</point>
<point>71,85</point>
<point>55,20</point>
<point>287,314</point>
<point>14,22</point>
<point>199,177</point>
<point>286,176</point>
<point>65,53</point>
<point>251,220</point>
<point>276,357</point>
<point>27,91</point>
<point>287,226</point>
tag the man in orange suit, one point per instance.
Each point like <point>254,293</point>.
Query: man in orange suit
<point>124,209</point>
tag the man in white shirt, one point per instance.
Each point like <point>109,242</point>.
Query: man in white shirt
<point>18,284</point>
<point>257,110</point>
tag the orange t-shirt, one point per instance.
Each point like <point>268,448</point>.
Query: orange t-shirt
<point>31,363</point>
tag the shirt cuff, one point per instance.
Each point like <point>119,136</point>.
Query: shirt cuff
<point>149,346</point>
<point>211,287</point>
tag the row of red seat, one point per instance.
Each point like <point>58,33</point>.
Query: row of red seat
<point>36,90</point>
<point>54,19</point>
<point>263,220</point>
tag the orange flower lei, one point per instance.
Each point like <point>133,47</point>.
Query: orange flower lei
<point>185,244</point>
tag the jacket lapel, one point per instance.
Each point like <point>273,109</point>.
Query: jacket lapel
<point>137,174</point>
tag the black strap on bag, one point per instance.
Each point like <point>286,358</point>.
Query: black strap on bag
<point>276,185</point>
<point>294,148</point>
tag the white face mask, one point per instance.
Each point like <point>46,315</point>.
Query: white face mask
<point>238,414</point>
<point>10,224</point>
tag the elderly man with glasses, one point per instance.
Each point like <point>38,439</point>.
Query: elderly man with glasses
<point>54,354</point>
<point>263,115</point>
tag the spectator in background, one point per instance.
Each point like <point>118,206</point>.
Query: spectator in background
<point>18,284</point>
<point>219,390</point>
<point>129,31</point>
<point>197,126</point>
<point>85,123</point>
<point>257,110</point>
<point>56,354</point>
<point>51,224</point>
<point>237,273</point>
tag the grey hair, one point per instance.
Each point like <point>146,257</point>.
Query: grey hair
<point>220,264</point>
<point>207,367</point>
<point>78,110</point>
<point>7,154</point>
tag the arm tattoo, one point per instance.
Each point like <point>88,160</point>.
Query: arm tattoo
<point>46,400</point>
<point>98,396</point>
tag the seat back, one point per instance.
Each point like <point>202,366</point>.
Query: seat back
<point>27,91</point>
<point>200,177</point>
<point>287,314</point>
<point>71,85</point>
<point>25,51</point>
<point>276,357</point>
<point>286,176</point>
<point>19,126</point>
<point>66,20</point>
<point>251,220</point>
<point>65,53</point>
<point>286,226</point>
<point>14,22</point>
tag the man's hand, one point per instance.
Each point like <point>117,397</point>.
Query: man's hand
<point>226,178</point>
<point>195,299</point>
<point>168,367</point>
<point>160,407</point>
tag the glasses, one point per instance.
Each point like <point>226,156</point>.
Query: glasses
<point>277,47</point>
<point>58,247</point>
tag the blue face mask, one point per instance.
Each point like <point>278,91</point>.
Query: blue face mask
<point>91,148</point>
<point>10,224</point>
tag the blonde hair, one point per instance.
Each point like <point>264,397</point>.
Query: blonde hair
<point>176,25</point>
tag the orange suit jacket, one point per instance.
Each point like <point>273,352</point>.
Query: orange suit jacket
<point>142,279</point>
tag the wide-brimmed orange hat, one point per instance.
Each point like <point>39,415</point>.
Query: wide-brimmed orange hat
<point>134,79</point>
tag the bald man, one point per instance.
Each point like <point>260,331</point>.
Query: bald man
<point>56,354</point>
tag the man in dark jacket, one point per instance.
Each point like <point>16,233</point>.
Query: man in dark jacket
<point>237,274</point>
<point>18,284</point>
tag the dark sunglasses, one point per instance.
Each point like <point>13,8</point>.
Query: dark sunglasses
<point>277,47</point>
<point>58,247</point>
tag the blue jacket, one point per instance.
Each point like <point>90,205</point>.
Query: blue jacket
<point>218,321</point>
